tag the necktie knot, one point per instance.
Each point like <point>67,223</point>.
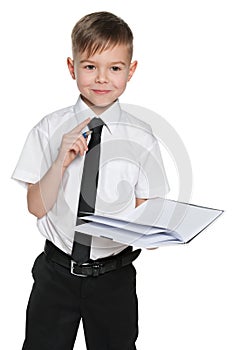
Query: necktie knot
<point>96,125</point>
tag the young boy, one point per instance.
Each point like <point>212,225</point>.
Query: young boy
<point>101,290</point>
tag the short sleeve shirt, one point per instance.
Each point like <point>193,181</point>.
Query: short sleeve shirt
<point>130,167</point>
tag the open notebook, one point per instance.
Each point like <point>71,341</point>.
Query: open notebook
<point>155,223</point>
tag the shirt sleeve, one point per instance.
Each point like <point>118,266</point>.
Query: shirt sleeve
<point>35,158</point>
<point>152,180</point>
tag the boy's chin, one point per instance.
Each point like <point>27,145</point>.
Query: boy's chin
<point>103,105</point>
<point>99,109</point>
<point>98,104</point>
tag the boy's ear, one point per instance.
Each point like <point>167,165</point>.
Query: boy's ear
<point>132,69</point>
<point>70,64</point>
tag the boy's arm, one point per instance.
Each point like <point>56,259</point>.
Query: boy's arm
<point>42,195</point>
<point>139,201</point>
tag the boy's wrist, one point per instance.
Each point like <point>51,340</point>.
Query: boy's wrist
<point>58,166</point>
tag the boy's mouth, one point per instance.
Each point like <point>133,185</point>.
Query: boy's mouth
<point>100,92</point>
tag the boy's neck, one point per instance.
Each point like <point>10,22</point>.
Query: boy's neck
<point>98,110</point>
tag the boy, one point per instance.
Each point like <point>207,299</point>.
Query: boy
<point>101,289</point>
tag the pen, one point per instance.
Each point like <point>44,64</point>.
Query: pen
<point>87,133</point>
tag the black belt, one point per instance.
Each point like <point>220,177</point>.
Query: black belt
<point>92,268</point>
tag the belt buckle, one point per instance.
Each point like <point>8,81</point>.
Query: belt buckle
<point>72,266</point>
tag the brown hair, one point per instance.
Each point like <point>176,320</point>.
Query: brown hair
<point>99,31</point>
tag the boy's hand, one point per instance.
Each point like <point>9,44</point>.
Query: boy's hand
<point>73,143</point>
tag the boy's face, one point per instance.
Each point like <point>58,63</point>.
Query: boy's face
<point>103,77</point>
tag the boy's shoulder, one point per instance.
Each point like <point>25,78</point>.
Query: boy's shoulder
<point>60,113</point>
<point>130,118</point>
<point>55,119</point>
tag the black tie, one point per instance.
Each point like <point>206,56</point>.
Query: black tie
<point>87,198</point>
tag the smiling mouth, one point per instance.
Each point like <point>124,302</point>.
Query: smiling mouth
<point>101,92</point>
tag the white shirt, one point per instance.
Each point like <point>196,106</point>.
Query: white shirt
<point>130,167</point>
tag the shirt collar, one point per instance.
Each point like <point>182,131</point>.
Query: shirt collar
<point>111,117</point>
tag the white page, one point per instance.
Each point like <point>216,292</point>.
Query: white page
<point>129,226</point>
<point>186,219</point>
<point>125,236</point>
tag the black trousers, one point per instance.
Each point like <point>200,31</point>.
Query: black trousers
<point>107,305</point>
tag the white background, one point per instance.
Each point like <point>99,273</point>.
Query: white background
<point>185,74</point>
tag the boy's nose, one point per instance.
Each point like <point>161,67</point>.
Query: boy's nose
<point>101,77</point>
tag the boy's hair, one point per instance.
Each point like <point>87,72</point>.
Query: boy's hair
<point>100,31</point>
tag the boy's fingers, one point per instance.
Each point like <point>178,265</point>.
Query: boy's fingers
<point>82,125</point>
<point>81,142</point>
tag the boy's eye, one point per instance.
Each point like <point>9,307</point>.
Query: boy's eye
<point>115,68</point>
<point>89,67</point>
